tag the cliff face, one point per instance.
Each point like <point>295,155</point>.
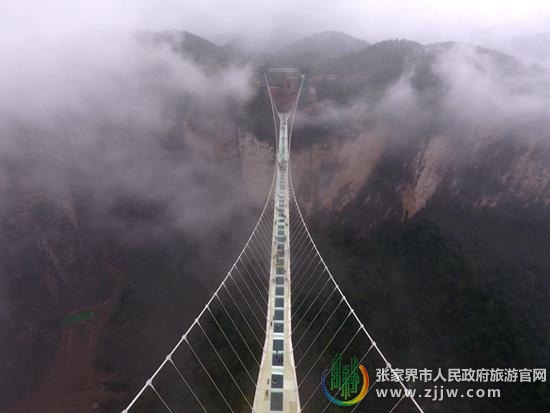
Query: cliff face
<point>50,268</point>
<point>331,174</point>
<point>117,229</point>
<point>58,260</point>
<point>427,172</point>
<point>481,171</point>
<point>257,163</point>
<point>446,119</point>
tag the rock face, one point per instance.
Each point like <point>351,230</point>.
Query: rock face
<point>257,161</point>
<point>428,170</point>
<point>339,169</point>
<point>529,177</point>
<point>333,175</point>
<point>49,269</point>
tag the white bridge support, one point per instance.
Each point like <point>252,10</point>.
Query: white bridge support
<point>277,386</point>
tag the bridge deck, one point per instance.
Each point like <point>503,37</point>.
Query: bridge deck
<point>277,387</point>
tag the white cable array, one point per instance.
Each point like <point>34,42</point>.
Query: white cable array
<point>229,275</point>
<point>247,269</point>
<point>337,287</point>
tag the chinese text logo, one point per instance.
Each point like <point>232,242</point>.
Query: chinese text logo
<point>348,383</point>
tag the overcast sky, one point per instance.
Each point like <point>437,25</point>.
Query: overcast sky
<point>424,20</point>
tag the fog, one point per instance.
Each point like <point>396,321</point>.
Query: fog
<point>91,124</point>
<point>83,104</point>
<point>278,22</point>
<point>467,88</point>
<point>100,106</point>
<point>95,163</point>
<point>482,88</point>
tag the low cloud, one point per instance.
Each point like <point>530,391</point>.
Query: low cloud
<point>94,148</point>
<point>450,88</point>
<point>492,87</point>
<point>96,112</point>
